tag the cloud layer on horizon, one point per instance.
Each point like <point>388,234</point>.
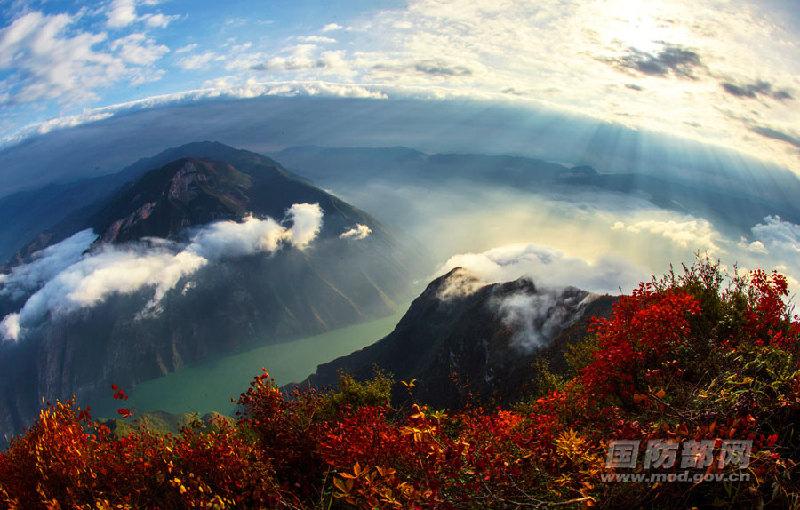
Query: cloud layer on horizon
<point>613,61</point>
<point>772,244</point>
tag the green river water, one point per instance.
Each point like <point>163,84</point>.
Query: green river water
<point>209,386</point>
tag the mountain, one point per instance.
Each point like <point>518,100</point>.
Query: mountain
<point>220,183</point>
<point>74,201</point>
<point>462,339</point>
<point>230,304</point>
<point>78,203</point>
<point>722,201</point>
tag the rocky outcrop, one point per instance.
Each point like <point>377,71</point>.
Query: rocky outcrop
<point>464,341</point>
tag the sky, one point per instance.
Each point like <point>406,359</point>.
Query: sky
<point>725,73</point>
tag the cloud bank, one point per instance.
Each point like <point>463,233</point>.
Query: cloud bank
<point>547,268</point>
<point>45,265</point>
<point>694,233</point>
<point>157,265</point>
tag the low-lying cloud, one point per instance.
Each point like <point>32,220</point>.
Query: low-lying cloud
<point>359,231</point>
<point>45,264</point>
<point>548,268</point>
<point>537,318</point>
<point>9,327</point>
<point>156,264</point>
<point>693,233</point>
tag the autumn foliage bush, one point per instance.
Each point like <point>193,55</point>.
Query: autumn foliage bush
<point>694,355</point>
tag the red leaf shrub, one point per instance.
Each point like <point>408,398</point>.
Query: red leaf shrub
<point>687,357</point>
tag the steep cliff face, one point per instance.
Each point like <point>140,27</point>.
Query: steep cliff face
<point>163,203</point>
<point>228,305</point>
<point>465,340</point>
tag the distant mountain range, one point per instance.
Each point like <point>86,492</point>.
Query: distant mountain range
<point>467,341</point>
<point>722,202</point>
<point>229,304</point>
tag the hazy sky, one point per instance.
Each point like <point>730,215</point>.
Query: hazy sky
<point>721,72</point>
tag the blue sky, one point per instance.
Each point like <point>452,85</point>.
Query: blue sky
<point>723,72</point>
<point>168,35</point>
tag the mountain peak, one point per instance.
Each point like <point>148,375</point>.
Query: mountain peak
<point>487,334</point>
<point>209,181</point>
<point>186,192</point>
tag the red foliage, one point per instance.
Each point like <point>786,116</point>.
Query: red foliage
<point>643,381</point>
<point>644,328</point>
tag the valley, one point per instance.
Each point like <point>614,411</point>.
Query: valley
<point>209,386</point>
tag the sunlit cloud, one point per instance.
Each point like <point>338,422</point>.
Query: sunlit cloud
<point>619,61</point>
<point>548,267</point>
<point>359,231</point>
<point>697,234</point>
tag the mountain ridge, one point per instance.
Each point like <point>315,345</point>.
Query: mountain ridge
<point>727,206</point>
<point>268,298</point>
<point>78,200</point>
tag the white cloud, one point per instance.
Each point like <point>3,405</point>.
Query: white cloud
<point>562,53</point>
<point>559,54</point>
<point>779,237</point>
<point>139,49</point>
<point>548,267</point>
<point>306,223</point>
<point>697,234</point>
<point>109,271</point>
<point>608,59</point>
<point>461,282</point>
<point>121,13</point>
<point>125,269</point>
<point>187,48</point>
<point>199,60</point>
<point>52,60</point>
<point>45,264</point>
<point>226,86</point>
<point>359,231</point>
<point>330,27</point>
<point>300,56</point>
<point>535,318</point>
<point>316,39</point>
<point>158,20</point>
<point>9,327</point>
<point>50,63</point>
<point>229,238</point>
<point>772,244</point>
<point>754,246</point>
